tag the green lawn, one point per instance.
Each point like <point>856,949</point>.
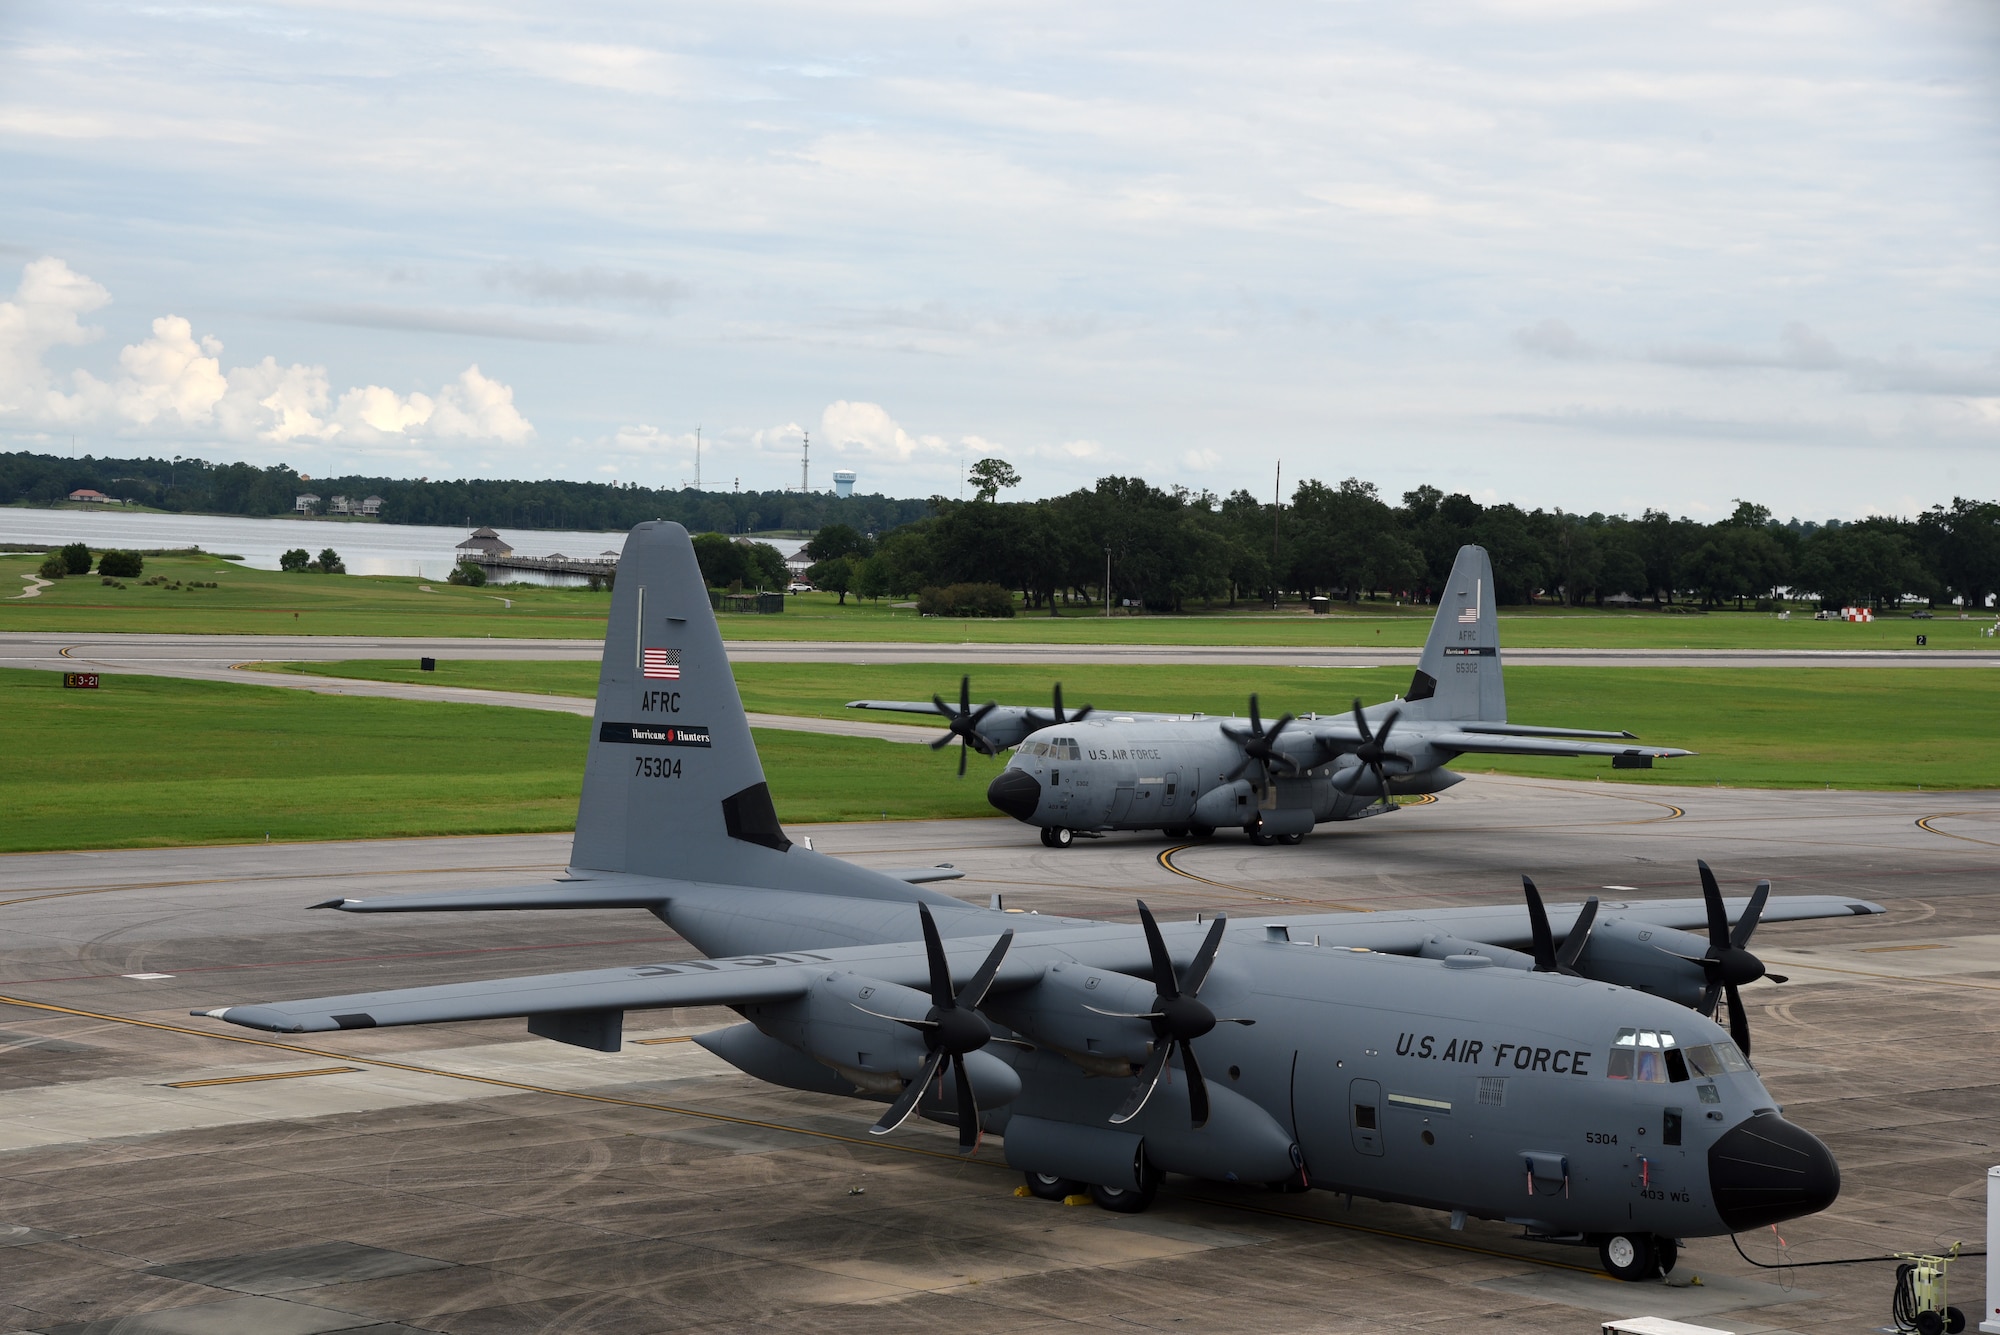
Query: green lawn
<point>262,602</point>
<point>150,761</point>
<point>1754,727</point>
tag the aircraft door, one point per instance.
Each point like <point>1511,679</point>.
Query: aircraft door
<point>1121,800</point>
<point>1364,1116</point>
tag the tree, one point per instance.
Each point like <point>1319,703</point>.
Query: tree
<point>329,563</point>
<point>121,565</point>
<point>465,572</point>
<point>835,540</point>
<point>835,574</point>
<point>53,566</point>
<point>720,559</point>
<point>297,559</point>
<point>990,477</point>
<point>764,566</point>
<point>76,557</point>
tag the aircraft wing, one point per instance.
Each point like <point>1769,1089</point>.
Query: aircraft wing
<point>1493,744</point>
<point>744,981</point>
<point>1404,933</point>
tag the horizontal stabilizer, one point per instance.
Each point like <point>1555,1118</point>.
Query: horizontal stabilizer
<point>924,875</point>
<point>608,893</point>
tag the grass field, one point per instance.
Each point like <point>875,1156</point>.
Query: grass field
<point>262,602</point>
<point>1755,727</point>
<point>149,761</point>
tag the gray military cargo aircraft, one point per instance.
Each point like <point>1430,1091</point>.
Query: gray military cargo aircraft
<point>1191,774</point>
<point>1460,1059</point>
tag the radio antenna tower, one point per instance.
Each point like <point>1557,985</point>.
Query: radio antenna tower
<point>805,465</point>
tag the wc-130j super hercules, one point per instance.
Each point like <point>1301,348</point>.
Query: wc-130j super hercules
<point>1190,775</point>
<point>1464,1059</point>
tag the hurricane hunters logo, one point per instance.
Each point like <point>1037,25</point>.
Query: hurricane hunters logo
<point>662,664</point>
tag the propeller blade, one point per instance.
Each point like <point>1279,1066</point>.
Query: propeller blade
<point>974,992</point>
<point>983,711</point>
<point>1778,977</point>
<point>968,1111</point>
<point>1237,773</point>
<point>1388,722</point>
<point>1256,719</point>
<point>1718,917</point>
<point>1149,1080</point>
<point>1081,714</point>
<point>944,741</point>
<point>1164,981</point>
<point>1058,705</point>
<point>1197,972</point>
<point>1739,1022</point>
<point>906,1102</point>
<point>961,758</point>
<point>1197,1087</point>
<point>1361,722</point>
<point>940,967</point>
<point>942,707</point>
<point>1538,922</point>
<point>1752,913</point>
<point>965,695</point>
<point>1578,938</point>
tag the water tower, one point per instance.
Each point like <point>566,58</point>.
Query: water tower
<point>843,483</point>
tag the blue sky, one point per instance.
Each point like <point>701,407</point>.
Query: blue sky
<point>1561,252</point>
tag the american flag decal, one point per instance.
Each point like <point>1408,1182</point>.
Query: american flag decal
<point>662,664</point>
<point>1470,616</point>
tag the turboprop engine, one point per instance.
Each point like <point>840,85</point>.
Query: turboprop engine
<point>1065,1012</point>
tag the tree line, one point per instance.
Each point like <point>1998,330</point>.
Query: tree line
<point>1167,549</point>
<point>196,486</point>
<point>1162,549</point>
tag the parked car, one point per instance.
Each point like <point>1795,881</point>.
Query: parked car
<point>798,586</point>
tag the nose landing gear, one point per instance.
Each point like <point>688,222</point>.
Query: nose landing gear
<point>1637,1256</point>
<point>1057,837</point>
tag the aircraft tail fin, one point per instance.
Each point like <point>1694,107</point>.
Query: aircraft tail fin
<point>672,786</point>
<point>1458,676</point>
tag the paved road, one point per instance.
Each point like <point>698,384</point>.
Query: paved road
<point>168,654</point>
<point>468,1178</point>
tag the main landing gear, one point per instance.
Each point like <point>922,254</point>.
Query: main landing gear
<point>1118,1200</point>
<point>1058,837</point>
<point>1637,1256</point>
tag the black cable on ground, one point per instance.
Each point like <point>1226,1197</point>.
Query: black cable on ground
<point>1800,1265</point>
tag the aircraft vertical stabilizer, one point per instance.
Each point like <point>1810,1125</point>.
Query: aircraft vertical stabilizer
<point>1458,676</point>
<point>673,786</point>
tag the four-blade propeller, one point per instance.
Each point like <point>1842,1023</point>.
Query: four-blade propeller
<point>963,724</point>
<point>1727,963</point>
<point>1549,958</point>
<point>1177,1019</point>
<point>952,1028</point>
<point>1037,721</point>
<point>1374,749</point>
<point>1258,744</point>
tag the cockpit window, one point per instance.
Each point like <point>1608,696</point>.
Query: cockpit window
<point>1653,1056</point>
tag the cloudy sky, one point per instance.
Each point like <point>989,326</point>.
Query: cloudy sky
<point>1601,254</point>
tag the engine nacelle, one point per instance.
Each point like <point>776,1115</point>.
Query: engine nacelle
<point>1440,946</point>
<point>1229,804</point>
<point>1641,955</point>
<point>1056,1013</point>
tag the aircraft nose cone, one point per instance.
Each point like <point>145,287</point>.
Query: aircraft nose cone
<point>1015,792</point>
<point>1766,1170</point>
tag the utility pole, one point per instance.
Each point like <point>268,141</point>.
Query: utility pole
<point>1107,579</point>
<point>1277,490</point>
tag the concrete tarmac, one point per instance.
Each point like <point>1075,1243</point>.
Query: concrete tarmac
<point>161,1173</point>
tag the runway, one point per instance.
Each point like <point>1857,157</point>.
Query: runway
<point>171,1174</point>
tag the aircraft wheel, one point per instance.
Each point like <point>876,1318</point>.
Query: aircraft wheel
<point>1175,832</point>
<point>1201,832</point>
<point>1291,840</point>
<point>1061,837</point>
<point>1124,1200</point>
<point>1050,1187</point>
<point>1259,835</point>
<point>1628,1256</point>
<point>1048,838</point>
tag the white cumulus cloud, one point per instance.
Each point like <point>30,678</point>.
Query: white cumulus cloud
<point>173,382</point>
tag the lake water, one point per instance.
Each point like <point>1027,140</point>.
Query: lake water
<point>367,549</point>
